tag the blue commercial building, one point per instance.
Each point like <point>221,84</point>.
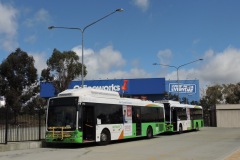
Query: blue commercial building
<point>145,88</point>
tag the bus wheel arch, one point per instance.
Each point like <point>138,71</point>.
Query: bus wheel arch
<point>149,132</point>
<point>105,137</point>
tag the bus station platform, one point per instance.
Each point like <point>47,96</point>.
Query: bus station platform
<point>11,146</point>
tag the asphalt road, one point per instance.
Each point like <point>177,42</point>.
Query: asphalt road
<point>206,144</point>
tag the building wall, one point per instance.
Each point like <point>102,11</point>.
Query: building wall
<point>152,88</point>
<point>228,115</point>
<point>142,87</point>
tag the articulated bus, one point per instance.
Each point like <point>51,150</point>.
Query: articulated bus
<point>182,117</point>
<point>87,115</point>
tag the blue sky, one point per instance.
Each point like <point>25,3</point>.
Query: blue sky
<point>126,44</point>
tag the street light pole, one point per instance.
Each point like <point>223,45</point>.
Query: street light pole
<point>82,31</point>
<point>177,68</point>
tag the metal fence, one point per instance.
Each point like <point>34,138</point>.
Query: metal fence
<point>22,126</point>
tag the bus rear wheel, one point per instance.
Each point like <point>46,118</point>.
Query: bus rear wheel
<point>149,132</point>
<point>105,137</point>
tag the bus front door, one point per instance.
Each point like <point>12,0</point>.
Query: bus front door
<point>88,123</point>
<point>174,118</point>
<point>137,120</point>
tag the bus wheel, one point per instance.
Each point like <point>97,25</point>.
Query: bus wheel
<point>105,137</point>
<point>197,127</point>
<point>180,129</point>
<point>149,132</point>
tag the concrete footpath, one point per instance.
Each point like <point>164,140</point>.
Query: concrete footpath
<point>10,146</point>
<point>234,156</point>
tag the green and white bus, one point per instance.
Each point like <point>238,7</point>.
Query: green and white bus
<point>182,117</point>
<point>87,115</point>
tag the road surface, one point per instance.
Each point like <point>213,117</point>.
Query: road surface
<point>206,144</point>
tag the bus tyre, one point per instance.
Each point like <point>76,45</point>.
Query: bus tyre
<point>180,129</point>
<point>149,132</point>
<point>105,137</point>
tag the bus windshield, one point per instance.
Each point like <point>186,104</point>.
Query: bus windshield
<point>62,115</point>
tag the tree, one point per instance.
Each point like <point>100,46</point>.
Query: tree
<point>37,103</point>
<point>230,94</point>
<point>170,96</point>
<point>214,94</point>
<point>3,85</point>
<point>237,92</point>
<point>194,103</point>
<point>217,94</point>
<point>18,74</point>
<point>63,67</point>
<point>184,100</point>
<point>206,108</point>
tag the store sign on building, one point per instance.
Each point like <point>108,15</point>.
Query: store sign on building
<point>111,87</point>
<point>182,88</point>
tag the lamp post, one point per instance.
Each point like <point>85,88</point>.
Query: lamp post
<point>177,68</point>
<point>82,31</point>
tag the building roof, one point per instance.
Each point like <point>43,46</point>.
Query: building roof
<point>227,106</point>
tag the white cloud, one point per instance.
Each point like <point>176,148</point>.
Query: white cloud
<point>142,4</point>
<point>209,54</point>
<point>216,68</point>
<point>196,41</point>
<point>184,74</point>
<point>30,39</point>
<point>135,63</point>
<point>41,16</point>
<point>164,56</point>
<point>107,63</point>
<point>40,61</point>
<point>109,59</point>
<point>8,23</point>
<point>101,62</point>
<point>120,74</point>
<point>223,67</point>
<point>8,27</point>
